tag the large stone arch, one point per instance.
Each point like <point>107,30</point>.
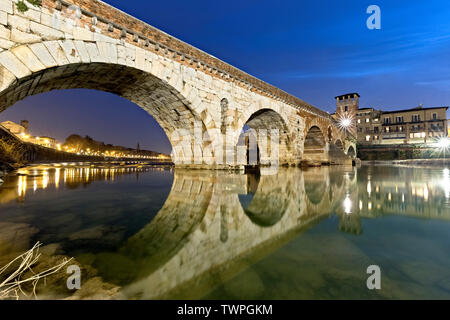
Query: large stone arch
<point>154,86</point>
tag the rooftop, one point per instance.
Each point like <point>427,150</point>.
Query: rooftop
<point>347,94</point>
<point>414,109</point>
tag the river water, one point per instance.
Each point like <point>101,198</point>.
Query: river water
<point>154,232</point>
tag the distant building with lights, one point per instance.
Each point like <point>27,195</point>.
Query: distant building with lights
<point>22,132</point>
<point>417,125</point>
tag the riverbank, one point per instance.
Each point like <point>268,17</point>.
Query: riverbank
<point>422,162</point>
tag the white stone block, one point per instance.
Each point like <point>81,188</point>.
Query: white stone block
<point>70,51</point>
<point>6,44</point>
<point>81,47</point>
<point>13,64</point>
<point>43,54</point>
<point>103,38</point>
<point>19,23</point>
<point>24,37</point>
<point>3,18</point>
<point>57,52</point>
<point>94,53</point>
<point>45,32</point>
<point>5,33</point>
<point>7,6</point>
<point>6,78</point>
<point>28,58</point>
<point>83,34</point>
<point>108,51</point>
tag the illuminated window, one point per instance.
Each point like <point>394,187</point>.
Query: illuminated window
<point>359,120</point>
<point>367,120</point>
<point>367,138</point>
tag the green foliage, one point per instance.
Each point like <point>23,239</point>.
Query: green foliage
<point>36,3</point>
<point>22,6</point>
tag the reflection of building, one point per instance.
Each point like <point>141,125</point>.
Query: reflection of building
<point>405,191</point>
<point>22,132</point>
<point>375,127</point>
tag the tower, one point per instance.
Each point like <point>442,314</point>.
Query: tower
<point>25,124</point>
<point>347,106</point>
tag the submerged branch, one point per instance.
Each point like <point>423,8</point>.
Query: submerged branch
<point>12,285</point>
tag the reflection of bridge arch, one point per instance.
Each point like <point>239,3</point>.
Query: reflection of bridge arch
<point>316,184</point>
<point>323,189</point>
<point>181,214</point>
<point>270,201</point>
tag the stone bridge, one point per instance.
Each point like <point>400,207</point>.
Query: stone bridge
<point>202,103</point>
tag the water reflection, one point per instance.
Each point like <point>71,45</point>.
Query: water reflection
<point>212,226</point>
<point>71,176</point>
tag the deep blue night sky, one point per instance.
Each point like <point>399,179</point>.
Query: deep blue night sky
<point>312,49</point>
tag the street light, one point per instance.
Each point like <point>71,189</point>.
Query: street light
<point>443,143</point>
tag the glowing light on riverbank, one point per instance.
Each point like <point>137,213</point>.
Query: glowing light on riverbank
<point>443,143</point>
<point>346,122</point>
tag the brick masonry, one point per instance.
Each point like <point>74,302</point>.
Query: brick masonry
<point>89,44</point>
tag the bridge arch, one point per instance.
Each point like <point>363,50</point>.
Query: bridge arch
<point>315,145</point>
<point>149,85</point>
<point>338,143</point>
<point>267,127</point>
<point>351,152</point>
<point>330,134</point>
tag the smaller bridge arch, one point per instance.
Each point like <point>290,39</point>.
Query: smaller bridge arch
<point>315,146</point>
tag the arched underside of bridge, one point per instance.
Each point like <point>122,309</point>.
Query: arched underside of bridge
<point>315,145</point>
<point>351,152</point>
<point>164,103</point>
<point>339,144</point>
<point>268,139</point>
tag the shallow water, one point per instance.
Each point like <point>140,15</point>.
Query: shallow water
<point>158,233</point>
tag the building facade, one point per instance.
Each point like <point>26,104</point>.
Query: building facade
<point>22,132</point>
<point>376,127</point>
